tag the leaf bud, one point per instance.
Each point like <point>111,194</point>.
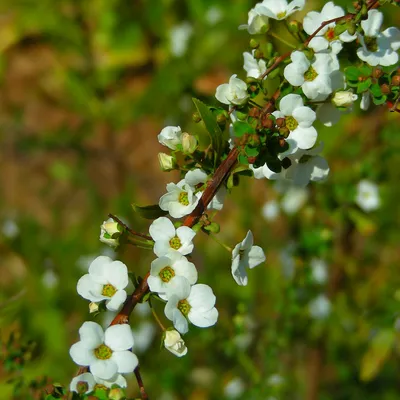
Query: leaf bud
<point>167,162</point>
<point>196,117</point>
<point>340,28</point>
<point>254,44</point>
<point>189,143</point>
<point>385,88</point>
<point>213,227</point>
<point>377,72</point>
<point>396,80</point>
<point>274,73</point>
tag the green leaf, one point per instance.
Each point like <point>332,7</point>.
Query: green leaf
<point>376,90</point>
<point>149,212</point>
<point>251,151</point>
<point>212,127</point>
<point>365,70</point>
<point>243,159</point>
<point>379,100</point>
<point>364,85</point>
<point>241,128</point>
<point>352,73</point>
<point>377,354</point>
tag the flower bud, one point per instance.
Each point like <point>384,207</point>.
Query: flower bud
<point>385,88</point>
<point>396,80</point>
<point>344,98</point>
<point>285,132</point>
<point>280,122</point>
<point>167,162</point>
<point>93,307</point>
<point>254,44</point>
<point>117,394</point>
<point>294,26</point>
<point>189,143</point>
<point>174,343</point>
<point>110,231</point>
<point>377,72</point>
<point>351,27</point>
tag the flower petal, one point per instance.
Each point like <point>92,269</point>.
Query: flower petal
<point>256,256</point>
<point>117,275</point>
<point>104,369</point>
<point>81,355</point>
<point>201,297</point>
<point>91,334</point>
<point>203,319</point>
<point>162,229</point>
<point>125,360</point>
<point>116,301</point>
<point>119,337</point>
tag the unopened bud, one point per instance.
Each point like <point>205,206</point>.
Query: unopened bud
<point>396,80</point>
<point>340,28</point>
<point>284,132</point>
<point>267,123</point>
<point>254,112</point>
<point>344,98</point>
<point>269,50</point>
<point>280,122</point>
<point>174,343</point>
<point>116,394</point>
<point>93,307</point>
<point>258,54</point>
<point>110,231</point>
<point>189,143</point>
<point>254,44</point>
<point>196,117</point>
<point>377,72</point>
<point>167,162</point>
<point>385,88</point>
<point>351,27</point>
<point>294,26</point>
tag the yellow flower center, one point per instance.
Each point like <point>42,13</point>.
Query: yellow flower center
<point>166,274</point>
<point>175,243</point>
<point>291,123</point>
<point>183,198</point>
<point>184,307</point>
<point>108,290</point>
<point>103,352</point>
<point>371,43</point>
<point>310,74</point>
<point>330,34</point>
<point>281,15</point>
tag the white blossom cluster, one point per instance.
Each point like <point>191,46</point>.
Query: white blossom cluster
<point>318,76</point>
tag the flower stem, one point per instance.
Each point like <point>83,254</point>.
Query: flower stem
<point>153,311</point>
<point>226,247</point>
<point>281,40</point>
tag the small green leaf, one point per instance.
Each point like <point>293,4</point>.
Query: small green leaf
<point>379,100</point>
<point>352,73</point>
<point>212,127</point>
<point>364,85</point>
<point>241,128</point>
<point>243,159</point>
<point>251,151</point>
<point>376,90</point>
<point>365,70</point>
<point>149,212</point>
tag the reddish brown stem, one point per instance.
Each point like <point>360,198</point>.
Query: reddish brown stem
<point>142,235</point>
<point>143,393</point>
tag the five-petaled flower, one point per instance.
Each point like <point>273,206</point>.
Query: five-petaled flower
<point>234,92</point>
<point>107,280</point>
<point>105,353</point>
<point>244,256</point>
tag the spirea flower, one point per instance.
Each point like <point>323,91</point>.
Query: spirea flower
<point>234,92</point>
<point>319,270</point>
<point>170,271</point>
<point>174,343</point>
<point>320,307</point>
<point>270,210</point>
<point>195,304</point>
<point>170,136</point>
<point>378,48</point>
<point>279,9</point>
<point>326,37</point>
<point>166,237</point>
<point>256,24</point>
<point>314,76</point>
<point>106,280</point>
<point>110,231</point>
<point>244,256</point>
<point>180,199</point>
<point>294,198</point>
<point>298,119</point>
<point>367,197</point>
<point>344,98</point>
<point>105,353</point>
<point>252,66</point>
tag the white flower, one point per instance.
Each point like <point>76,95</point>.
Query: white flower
<point>189,143</point>
<point>195,304</point>
<point>110,231</point>
<point>298,119</point>
<point>252,66</point>
<point>270,210</point>
<point>344,98</point>
<point>256,23</point>
<point>367,197</point>
<point>179,36</point>
<point>106,280</point>
<point>105,353</point>
<point>82,382</point>
<point>166,237</point>
<point>174,343</point>
<point>170,136</point>
<point>378,48</point>
<point>117,379</point>
<point>326,37</point>
<point>314,76</point>
<point>169,272</point>
<point>279,9</point>
<point>294,198</point>
<point>180,199</point>
<point>245,255</point>
<point>197,178</point>
<point>307,166</point>
<point>319,270</point>
<point>265,172</point>
<point>234,388</point>
<point>234,92</point>
<point>320,307</point>
<point>10,228</point>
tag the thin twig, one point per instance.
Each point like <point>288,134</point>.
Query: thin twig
<point>116,219</point>
<point>143,393</point>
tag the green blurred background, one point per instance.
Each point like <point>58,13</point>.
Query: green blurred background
<point>85,88</point>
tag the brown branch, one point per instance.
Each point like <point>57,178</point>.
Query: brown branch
<point>142,235</point>
<point>143,393</point>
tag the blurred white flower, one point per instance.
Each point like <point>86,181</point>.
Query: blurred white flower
<point>288,261</point>
<point>10,228</point>
<point>174,343</point>
<point>294,198</point>
<point>367,197</point>
<point>244,256</point>
<point>179,36</point>
<point>234,388</point>
<point>270,210</point>
<point>213,15</point>
<point>275,380</point>
<point>320,307</point>
<point>234,92</point>
<point>378,48</point>
<point>319,270</point>
<point>278,9</point>
<point>50,279</point>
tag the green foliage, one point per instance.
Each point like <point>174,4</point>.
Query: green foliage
<point>149,212</point>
